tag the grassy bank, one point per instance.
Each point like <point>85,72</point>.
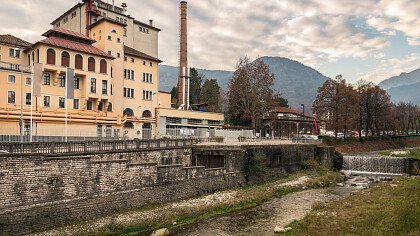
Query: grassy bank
<point>411,153</point>
<point>387,209</point>
<point>246,197</point>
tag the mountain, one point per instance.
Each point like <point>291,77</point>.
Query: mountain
<point>293,80</point>
<point>168,76</point>
<point>403,88</point>
<point>403,79</point>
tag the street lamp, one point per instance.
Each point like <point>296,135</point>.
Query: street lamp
<point>303,105</point>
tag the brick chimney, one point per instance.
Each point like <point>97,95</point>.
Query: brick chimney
<point>183,79</point>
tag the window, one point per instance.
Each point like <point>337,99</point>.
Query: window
<point>125,32</point>
<point>76,83</point>
<point>11,79</point>
<point>132,60</point>
<point>73,15</point>
<point>51,56</point>
<point>173,120</point>
<point>118,40</point>
<point>11,97</point>
<point>65,20</point>
<point>91,64</point>
<point>128,93</point>
<point>62,81</point>
<point>100,106</point>
<point>194,121</point>
<point>28,81</point>
<point>47,79</point>
<point>125,58</point>
<point>151,64</point>
<point>47,100</point>
<point>104,87</point>
<point>147,31</point>
<point>78,62</point>
<point>28,99</point>
<point>76,104</point>
<point>118,55</point>
<point>89,105</point>
<point>109,52</point>
<point>61,102</point>
<point>103,66</point>
<point>150,79</point>
<point>132,74</point>
<point>58,25</point>
<point>109,109</point>
<point>125,73</point>
<point>125,21</point>
<point>144,63</point>
<point>14,52</point>
<point>147,95</point>
<point>93,85</point>
<point>109,37</point>
<point>65,59</point>
<point>114,31</point>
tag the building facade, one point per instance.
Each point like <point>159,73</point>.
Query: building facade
<point>115,87</point>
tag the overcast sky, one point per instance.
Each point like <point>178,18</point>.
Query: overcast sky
<point>370,39</point>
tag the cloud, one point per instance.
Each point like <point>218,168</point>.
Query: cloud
<point>311,31</point>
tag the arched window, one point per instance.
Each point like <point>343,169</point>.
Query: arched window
<point>91,64</point>
<point>100,106</point>
<point>128,112</point>
<point>65,59</point>
<point>109,109</point>
<point>78,62</point>
<point>51,56</point>
<point>103,66</point>
<point>147,114</point>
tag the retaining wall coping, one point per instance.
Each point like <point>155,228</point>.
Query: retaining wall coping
<point>195,167</point>
<point>143,164</point>
<point>170,166</point>
<point>108,161</point>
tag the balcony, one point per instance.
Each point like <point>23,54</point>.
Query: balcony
<point>15,67</point>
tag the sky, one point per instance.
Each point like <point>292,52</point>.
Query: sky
<point>359,39</point>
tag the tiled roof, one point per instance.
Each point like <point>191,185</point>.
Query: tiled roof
<point>134,52</point>
<point>12,40</point>
<point>73,45</point>
<point>292,111</point>
<point>68,33</point>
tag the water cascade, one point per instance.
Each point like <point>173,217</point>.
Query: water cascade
<point>375,164</point>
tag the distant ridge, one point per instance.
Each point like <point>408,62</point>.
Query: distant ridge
<point>296,82</point>
<point>404,88</point>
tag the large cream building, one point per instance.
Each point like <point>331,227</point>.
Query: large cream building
<point>115,87</point>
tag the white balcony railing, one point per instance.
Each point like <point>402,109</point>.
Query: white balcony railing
<point>15,67</point>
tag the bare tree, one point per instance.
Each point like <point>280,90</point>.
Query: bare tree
<point>250,92</point>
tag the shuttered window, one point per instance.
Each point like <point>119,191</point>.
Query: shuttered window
<point>65,59</point>
<point>50,56</point>
<point>78,60</point>
<point>91,64</point>
<point>103,68</point>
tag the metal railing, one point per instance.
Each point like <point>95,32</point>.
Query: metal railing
<point>92,146</point>
<point>15,67</point>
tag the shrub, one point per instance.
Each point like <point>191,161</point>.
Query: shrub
<point>255,168</point>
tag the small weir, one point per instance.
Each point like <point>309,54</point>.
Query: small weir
<point>375,164</point>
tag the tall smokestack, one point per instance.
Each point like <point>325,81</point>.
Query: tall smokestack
<point>183,79</point>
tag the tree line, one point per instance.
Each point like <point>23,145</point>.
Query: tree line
<point>365,108</point>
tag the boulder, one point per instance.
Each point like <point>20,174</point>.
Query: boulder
<point>279,230</point>
<point>161,232</point>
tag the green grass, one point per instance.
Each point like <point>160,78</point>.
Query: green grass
<point>383,210</point>
<point>412,153</point>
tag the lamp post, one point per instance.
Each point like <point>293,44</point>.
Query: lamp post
<point>303,105</point>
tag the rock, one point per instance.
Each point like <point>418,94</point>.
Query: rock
<point>353,184</point>
<point>161,232</point>
<point>279,230</point>
<point>288,229</point>
<point>340,184</point>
